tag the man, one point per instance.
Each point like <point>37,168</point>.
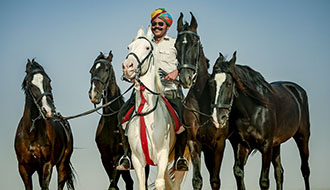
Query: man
<point>165,55</point>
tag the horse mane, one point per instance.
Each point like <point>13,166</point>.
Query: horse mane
<point>253,83</point>
<point>249,81</point>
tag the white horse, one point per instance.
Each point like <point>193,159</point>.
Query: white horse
<point>151,132</point>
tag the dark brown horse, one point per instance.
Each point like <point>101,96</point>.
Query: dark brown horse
<point>108,139</point>
<point>42,140</point>
<point>262,116</point>
<point>203,135</point>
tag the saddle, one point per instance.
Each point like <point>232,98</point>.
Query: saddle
<point>173,113</point>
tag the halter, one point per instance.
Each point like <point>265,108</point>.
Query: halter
<point>139,70</point>
<point>183,65</point>
<point>105,83</point>
<point>36,101</point>
<point>221,105</point>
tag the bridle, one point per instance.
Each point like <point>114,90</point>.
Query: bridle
<point>106,82</point>
<point>227,106</point>
<point>182,64</point>
<point>139,74</point>
<point>140,63</point>
<point>37,100</point>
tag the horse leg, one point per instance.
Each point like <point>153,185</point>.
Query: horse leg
<point>26,173</point>
<point>266,160</point>
<point>162,166</point>
<point>140,171</point>
<point>195,152</point>
<point>65,175</point>
<point>44,175</point>
<point>302,143</point>
<point>147,170</point>
<point>278,169</point>
<point>240,155</point>
<point>213,160</point>
<point>128,180</point>
<point>114,176</point>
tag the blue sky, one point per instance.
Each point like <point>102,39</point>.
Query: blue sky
<point>283,40</point>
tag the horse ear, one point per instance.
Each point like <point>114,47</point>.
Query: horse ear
<point>140,32</point>
<point>149,32</point>
<point>28,66</point>
<point>110,56</point>
<point>193,22</point>
<point>221,57</point>
<point>101,56</point>
<point>180,22</point>
<point>233,60</point>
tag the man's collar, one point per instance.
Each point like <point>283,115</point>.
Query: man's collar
<point>166,38</point>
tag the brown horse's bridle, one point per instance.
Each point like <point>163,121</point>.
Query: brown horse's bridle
<point>37,100</point>
<point>182,64</point>
<point>104,82</point>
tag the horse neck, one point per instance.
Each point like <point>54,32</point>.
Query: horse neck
<point>150,80</point>
<point>112,92</point>
<point>202,76</point>
<point>31,112</point>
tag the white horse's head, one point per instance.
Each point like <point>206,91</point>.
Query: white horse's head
<point>139,52</point>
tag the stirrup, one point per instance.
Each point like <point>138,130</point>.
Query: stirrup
<point>129,161</point>
<point>177,161</point>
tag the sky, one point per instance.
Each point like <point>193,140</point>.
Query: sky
<point>283,40</point>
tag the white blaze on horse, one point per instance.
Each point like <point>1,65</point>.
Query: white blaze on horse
<point>151,132</point>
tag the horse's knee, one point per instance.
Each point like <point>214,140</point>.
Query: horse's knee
<point>305,171</point>
<point>238,171</point>
<point>264,183</point>
<point>160,184</point>
<point>197,182</point>
<point>215,184</point>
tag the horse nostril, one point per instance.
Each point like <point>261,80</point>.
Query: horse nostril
<point>130,65</point>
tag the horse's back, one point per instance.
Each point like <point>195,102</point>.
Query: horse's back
<point>292,110</point>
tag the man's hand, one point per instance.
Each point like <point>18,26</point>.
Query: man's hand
<point>172,75</point>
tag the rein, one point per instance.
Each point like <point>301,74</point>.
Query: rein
<point>100,107</point>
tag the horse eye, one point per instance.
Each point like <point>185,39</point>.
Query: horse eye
<point>148,48</point>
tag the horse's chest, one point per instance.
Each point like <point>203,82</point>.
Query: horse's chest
<point>249,133</point>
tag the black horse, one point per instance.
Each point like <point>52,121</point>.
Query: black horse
<point>203,135</point>
<point>262,116</point>
<point>108,138</point>
<point>43,139</point>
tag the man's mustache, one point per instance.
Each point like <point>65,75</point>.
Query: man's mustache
<point>156,28</point>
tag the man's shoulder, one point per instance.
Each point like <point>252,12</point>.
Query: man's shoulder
<point>168,38</point>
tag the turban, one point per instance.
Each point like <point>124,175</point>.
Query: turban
<point>162,14</point>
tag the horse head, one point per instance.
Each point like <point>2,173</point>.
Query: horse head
<point>188,48</point>
<point>225,89</point>
<point>139,52</point>
<point>37,86</point>
<point>101,74</point>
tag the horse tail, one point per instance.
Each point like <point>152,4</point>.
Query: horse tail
<point>71,177</point>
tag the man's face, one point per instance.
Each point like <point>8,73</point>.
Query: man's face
<point>159,28</point>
